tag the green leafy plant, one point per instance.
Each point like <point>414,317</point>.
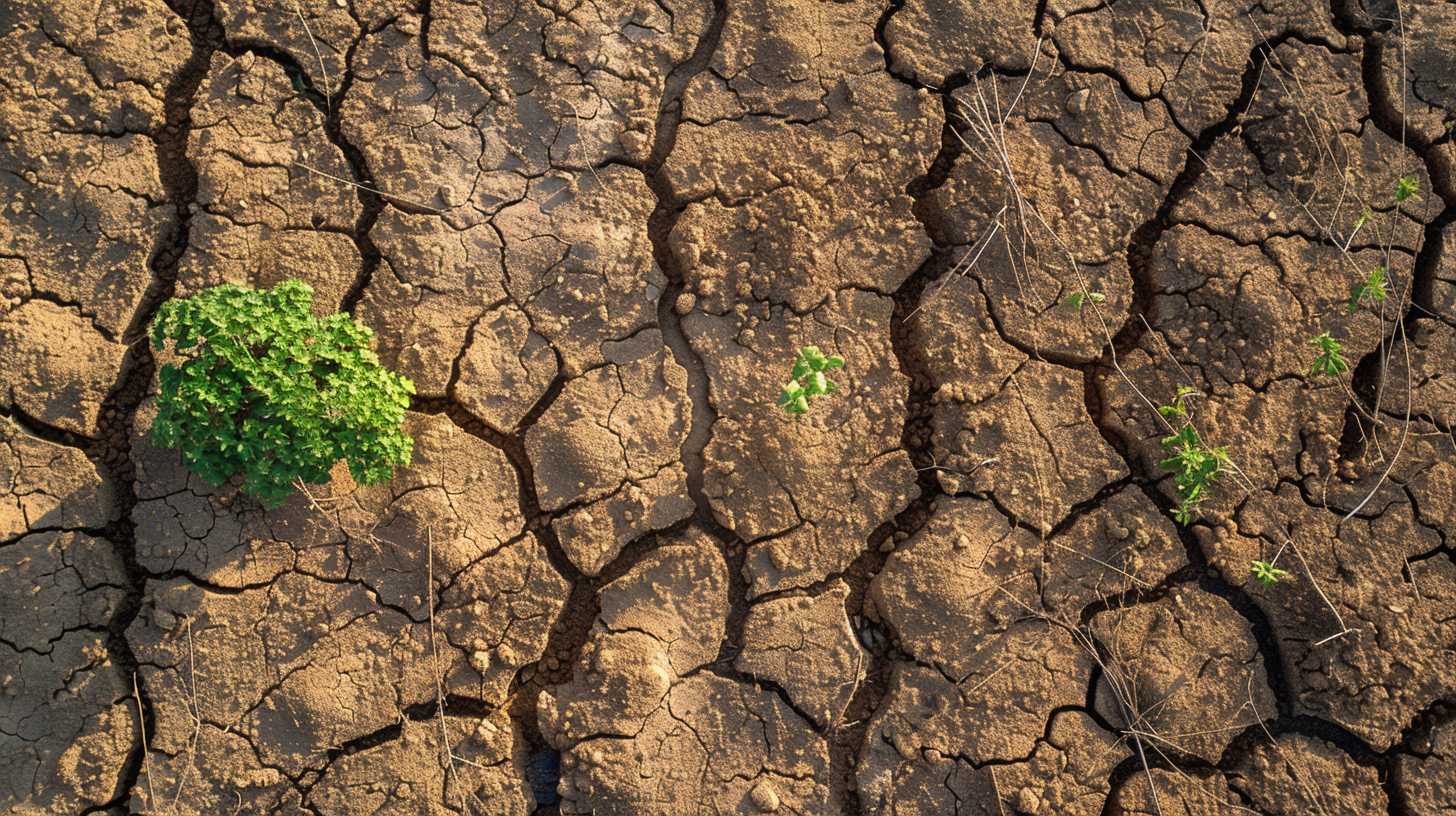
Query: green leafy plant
<point>1195,465</point>
<point>1407,187</point>
<point>1329,361</point>
<point>1371,290</point>
<point>1081,298</point>
<point>1267,573</point>
<point>264,389</point>
<point>808,379</point>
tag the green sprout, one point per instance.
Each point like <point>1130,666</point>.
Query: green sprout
<point>1177,408</point>
<point>808,380</point>
<point>1407,187</point>
<point>1194,464</point>
<point>1365,216</point>
<point>1080,298</point>
<point>1371,290</point>
<point>1329,362</point>
<point>1267,573</point>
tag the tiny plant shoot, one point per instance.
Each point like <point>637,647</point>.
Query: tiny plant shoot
<point>1079,299</point>
<point>1371,290</point>
<point>807,379</point>
<point>1267,573</point>
<point>264,389</point>
<point>1328,360</point>
<point>1194,464</point>
<point>1407,187</point>
<point>1365,216</point>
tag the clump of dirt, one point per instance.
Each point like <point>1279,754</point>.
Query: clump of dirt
<point>617,578</point>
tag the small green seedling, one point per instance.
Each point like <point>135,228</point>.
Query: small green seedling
<point>1407,187</point>
<point>1329,361</point>
<point>1195,465</point>
<point>808,379</point>
<point>1267,573</point>
<point>1079,299</point>
<point>1178,409</point>
<point>1365,216</point>
<point>1371,290</point>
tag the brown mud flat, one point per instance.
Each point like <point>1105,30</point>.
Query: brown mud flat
<point>616,578</point>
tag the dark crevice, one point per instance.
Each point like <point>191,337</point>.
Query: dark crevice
<point>569,632</point>
<point>1145,238</point>
<point>1368,376</point>
<point>909,349</point>
<point>1137,596</point>
<point>329,108</point>
<point>39,428</point>
<point>882,40</point>
<point>915,439</point>
<point>1208,577</point>
<point>371,204</point>
<point>660,225</point>
<point>1098,379</point>
<point>926,208</point>
<point>111,447</point>
<point>845,741</point>
<point>573,626</point>
<point>1039,19</point>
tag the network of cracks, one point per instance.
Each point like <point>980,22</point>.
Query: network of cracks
<point>616,577</point>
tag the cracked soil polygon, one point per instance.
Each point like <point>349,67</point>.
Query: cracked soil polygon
<point>649,726</point>
<point>265,214</point>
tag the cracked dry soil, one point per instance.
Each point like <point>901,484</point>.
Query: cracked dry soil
<point>616,579</point>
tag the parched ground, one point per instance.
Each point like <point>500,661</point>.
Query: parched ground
<point>617,579</point>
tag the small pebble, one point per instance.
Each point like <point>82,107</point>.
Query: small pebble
<point>765,798</point>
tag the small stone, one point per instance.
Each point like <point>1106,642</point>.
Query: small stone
<point>1077,102</point>
<point>634,141</point>
<point>1027,801</point>
<point>164,619</point>
<point>765,798</point>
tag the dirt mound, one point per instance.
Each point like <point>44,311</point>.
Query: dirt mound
<point>617,578</point>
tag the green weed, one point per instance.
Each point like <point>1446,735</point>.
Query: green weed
<point>1195,465</point>
<point>1365,216</point>
<point>266,390</point>
<point>1267,573</point>
<point>1329,361</point>
<point>1081,298</point>
<point>1407,187</point>
<point>808,379</point>
<point>1372,290</point>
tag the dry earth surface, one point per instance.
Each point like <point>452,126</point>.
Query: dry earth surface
<point>617,579</point>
